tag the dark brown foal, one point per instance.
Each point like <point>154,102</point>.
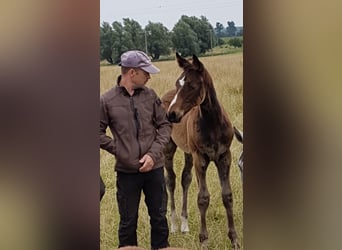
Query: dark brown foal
<point>201,128</point>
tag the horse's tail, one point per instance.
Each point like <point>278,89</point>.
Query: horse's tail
<point>238,135</point>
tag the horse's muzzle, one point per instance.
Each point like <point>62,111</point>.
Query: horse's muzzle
<point>172,117</point>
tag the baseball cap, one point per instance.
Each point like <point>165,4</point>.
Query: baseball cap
<point>138,59</point>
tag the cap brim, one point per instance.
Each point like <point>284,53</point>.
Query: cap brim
<point>151,69</point>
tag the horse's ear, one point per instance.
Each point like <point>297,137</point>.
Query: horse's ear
<point>182,62</point>
<point>196,62</point>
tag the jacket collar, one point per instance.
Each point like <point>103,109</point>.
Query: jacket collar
<point>124,91</point>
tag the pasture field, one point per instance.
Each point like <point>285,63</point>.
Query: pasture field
<point>226,71</point>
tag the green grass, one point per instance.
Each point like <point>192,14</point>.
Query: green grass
<point>226,71</point>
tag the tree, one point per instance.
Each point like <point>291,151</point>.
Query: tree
<point>203,30</point>
<point>206,34</point>
<point>219,30</point>
<point>184,39</point>
<point>106,43</point>
<point>129,36</point>
<point>117,38</point>
<point>239,31</point>
<point>231,29</point>
<point>190,35</point>
<point>158,40</point>
<point>193,35</point>
<point>133,35</point>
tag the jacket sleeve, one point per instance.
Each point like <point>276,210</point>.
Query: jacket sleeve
<point>163,127</point>
<point>106,142</point>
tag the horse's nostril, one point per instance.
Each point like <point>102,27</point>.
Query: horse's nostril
<point>171,116</point>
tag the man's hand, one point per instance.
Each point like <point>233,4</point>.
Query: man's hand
<point>147,162</point>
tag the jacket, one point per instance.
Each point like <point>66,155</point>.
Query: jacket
<point>138,124</point>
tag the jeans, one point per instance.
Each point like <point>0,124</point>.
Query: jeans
<point>129,187</point>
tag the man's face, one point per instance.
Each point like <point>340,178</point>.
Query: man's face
<point>140,78</point>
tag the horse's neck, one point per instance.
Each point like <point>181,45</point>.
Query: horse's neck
<point>210,107</point>
<point>213,122</point>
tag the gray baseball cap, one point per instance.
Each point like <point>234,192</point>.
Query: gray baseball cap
<point>138,59</point>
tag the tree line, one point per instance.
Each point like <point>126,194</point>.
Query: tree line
<point>190,35</point>
<point>230,31</point>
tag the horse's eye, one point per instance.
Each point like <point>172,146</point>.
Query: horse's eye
<point>191,86</point>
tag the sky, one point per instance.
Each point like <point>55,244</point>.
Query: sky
<point>169,12</point>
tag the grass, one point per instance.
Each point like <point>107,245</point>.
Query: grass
<point>226,71</point>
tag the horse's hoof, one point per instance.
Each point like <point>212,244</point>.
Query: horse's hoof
<point>173,228</point>
<point>185,229</point>
<point>204,245</point>
<point>203,238</point>
<point>236,246</point>
<point>184,225</point>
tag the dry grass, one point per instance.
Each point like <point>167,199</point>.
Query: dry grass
<point>226,71</point>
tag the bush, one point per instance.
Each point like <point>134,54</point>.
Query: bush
<point>236,42</point>
<point>220,41</point>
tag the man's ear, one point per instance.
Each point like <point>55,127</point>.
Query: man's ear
<point>132,72</point>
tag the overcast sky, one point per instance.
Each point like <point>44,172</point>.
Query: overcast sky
<point>169,12</point>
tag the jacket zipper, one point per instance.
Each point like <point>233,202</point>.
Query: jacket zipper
<point>137,124</point>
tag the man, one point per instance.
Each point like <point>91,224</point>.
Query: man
<point>140,130</point>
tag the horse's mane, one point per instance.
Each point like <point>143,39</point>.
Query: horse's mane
<point>211,97</point>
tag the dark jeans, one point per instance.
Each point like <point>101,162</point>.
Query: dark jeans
<point>129,187</point>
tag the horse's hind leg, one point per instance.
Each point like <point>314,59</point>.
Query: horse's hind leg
<point>223,167</point>
<point>186,181</point>
<point>169,153</point>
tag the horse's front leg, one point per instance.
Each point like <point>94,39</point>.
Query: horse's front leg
<point>203,197</point>
<point>186,181</point>
<point>169,153</point>
<point>223,168</point>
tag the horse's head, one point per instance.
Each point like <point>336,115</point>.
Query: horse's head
<point>191,88</point>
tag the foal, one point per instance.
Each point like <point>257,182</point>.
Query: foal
<point>203,131</point>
